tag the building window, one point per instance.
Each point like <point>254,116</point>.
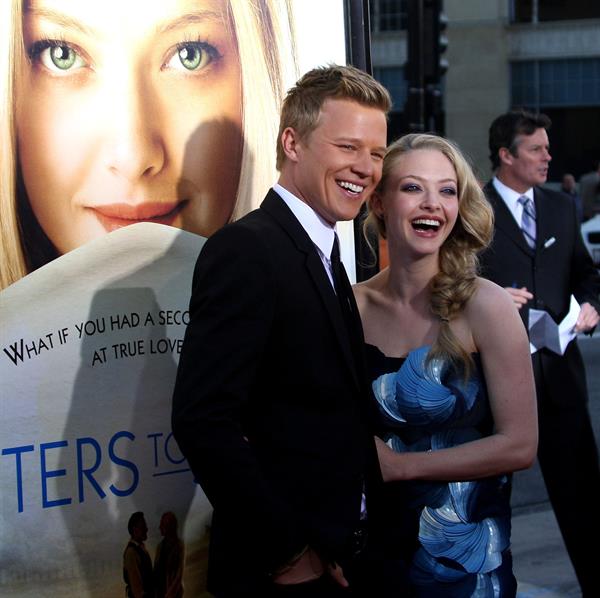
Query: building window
<point>524,83</point>
<point>568,91</point>
<point>533,11</point>
<point>388,15</point>
<point>392,78</point>
<point>556,83</point>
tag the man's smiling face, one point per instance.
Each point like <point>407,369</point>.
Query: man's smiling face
<point>337,166</point>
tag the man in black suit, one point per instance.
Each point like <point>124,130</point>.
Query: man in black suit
<point>270,405</point>
<point>539,256</point>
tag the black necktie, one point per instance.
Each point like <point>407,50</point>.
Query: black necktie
<point>341,284</point>
<point>337,272</point>
<point>350,315</point>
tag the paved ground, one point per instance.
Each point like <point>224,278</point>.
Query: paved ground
<point>541,564</point>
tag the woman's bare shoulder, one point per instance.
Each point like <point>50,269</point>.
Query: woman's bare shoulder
<point>492,314</point>
<point>488,298</point>
<point>368,292</point>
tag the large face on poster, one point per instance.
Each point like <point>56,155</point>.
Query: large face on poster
<point>132,130</point>
<point>137,111</point>
<point>129,112</point>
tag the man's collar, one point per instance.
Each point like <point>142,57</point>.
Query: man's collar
<point>319,230</point>
<point>510,196</point>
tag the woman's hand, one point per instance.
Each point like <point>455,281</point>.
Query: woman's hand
<point>388,461</point>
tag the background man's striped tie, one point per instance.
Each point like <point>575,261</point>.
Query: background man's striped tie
<point>528,220</point>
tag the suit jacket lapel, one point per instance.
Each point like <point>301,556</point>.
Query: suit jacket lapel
<point>505,221</point>
<point>277,208</point>
<point>543,217</point>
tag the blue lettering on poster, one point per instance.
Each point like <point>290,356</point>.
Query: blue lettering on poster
<point>89,457</point>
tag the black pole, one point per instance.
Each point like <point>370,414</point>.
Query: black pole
<point>358,54</point>
<point>415,68</point>
<point>358,38</point>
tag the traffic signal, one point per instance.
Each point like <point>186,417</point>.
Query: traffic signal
<point>426,65</point>
<point>435,41</point>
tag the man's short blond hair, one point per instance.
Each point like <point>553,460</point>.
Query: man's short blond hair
<point>302,105</point>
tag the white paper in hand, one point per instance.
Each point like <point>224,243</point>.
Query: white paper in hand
<point>545,332</point>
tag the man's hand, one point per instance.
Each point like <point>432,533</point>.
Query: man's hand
<point>519,296</point>
<point>337,574</point>
<point>308,566</point>
<point>588,318</point>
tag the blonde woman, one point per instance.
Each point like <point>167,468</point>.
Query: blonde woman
<point>147,110</point>
<point>449,360</point>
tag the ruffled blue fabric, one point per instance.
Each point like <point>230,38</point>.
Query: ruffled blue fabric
<point>421,393</point>
<point>464,536</point>
<point>434,580</point>
<point>476,546</point>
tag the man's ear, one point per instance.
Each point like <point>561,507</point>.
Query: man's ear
<point>505,156</point>
<point>290,142</point>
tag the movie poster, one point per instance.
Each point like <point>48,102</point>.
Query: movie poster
<point>131,131</point>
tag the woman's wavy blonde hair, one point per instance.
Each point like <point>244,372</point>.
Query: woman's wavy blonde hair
<point>454,284</point>
<point>12,259</point>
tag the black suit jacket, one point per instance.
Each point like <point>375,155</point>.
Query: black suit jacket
<point>270,405</point>
<point>559,267</point>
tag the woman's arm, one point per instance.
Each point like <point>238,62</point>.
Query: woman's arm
<point>503,345</point>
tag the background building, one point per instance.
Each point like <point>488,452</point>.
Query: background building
<point>539,54</point>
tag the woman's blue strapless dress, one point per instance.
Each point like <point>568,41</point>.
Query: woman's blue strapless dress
<point>454,535</point>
